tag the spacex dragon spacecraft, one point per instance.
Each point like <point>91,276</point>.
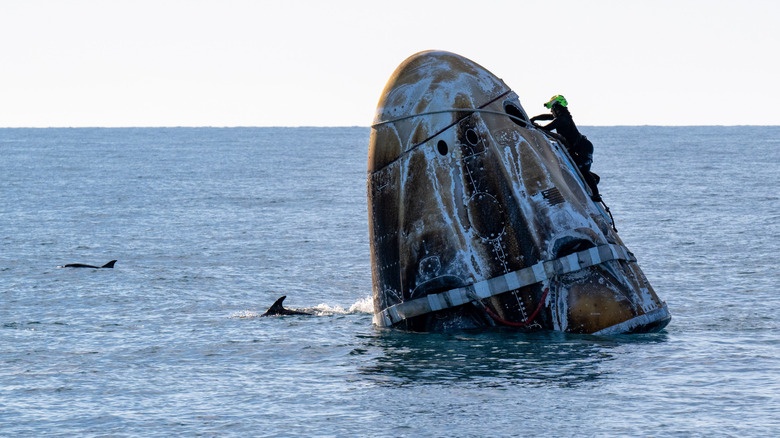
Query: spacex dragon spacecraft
<point>478,218</point>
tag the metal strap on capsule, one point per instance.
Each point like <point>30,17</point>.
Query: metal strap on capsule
<point>502,284</point>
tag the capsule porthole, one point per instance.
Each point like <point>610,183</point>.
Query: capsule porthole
<point>515,114</point>
<point>442,147</point>
<point>472,137</point>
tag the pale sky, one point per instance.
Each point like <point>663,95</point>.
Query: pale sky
<point>324,63</point>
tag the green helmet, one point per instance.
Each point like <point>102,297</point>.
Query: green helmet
<point>557,98</point>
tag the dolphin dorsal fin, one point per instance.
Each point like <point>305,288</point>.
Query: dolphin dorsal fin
<point>109,264</point>
<point>277,307</point>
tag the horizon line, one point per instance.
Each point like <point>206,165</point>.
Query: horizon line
<point>354,126</point>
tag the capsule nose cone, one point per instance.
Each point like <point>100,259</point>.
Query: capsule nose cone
<point>436,79</point>
<point>422,97</point>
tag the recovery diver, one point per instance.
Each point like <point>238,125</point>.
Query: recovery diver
<point>579,147</point>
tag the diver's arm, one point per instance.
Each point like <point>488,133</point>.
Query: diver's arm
<point>550,126</point>
<point>542,117</point>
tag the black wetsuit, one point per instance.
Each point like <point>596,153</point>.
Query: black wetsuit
<point>579,147</point>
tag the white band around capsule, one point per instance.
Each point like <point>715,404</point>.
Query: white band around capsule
<point>504,283</point>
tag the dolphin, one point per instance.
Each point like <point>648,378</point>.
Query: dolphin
<point>277,308</point>
<point>79,265</point>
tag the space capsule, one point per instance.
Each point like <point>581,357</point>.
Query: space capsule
<point>478,218</point>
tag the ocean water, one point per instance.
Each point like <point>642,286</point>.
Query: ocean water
<point>210,226</point>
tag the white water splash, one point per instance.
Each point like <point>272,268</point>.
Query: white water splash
<point>362,305</point>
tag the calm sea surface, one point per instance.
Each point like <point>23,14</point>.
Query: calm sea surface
<point>210,226</point>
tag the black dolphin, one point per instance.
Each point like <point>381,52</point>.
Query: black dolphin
<point>278,309</point>
<point>79,265</point>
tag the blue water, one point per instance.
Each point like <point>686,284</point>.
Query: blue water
<point>210,226</point>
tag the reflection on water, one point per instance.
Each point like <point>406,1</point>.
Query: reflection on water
<point>496,358</point>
